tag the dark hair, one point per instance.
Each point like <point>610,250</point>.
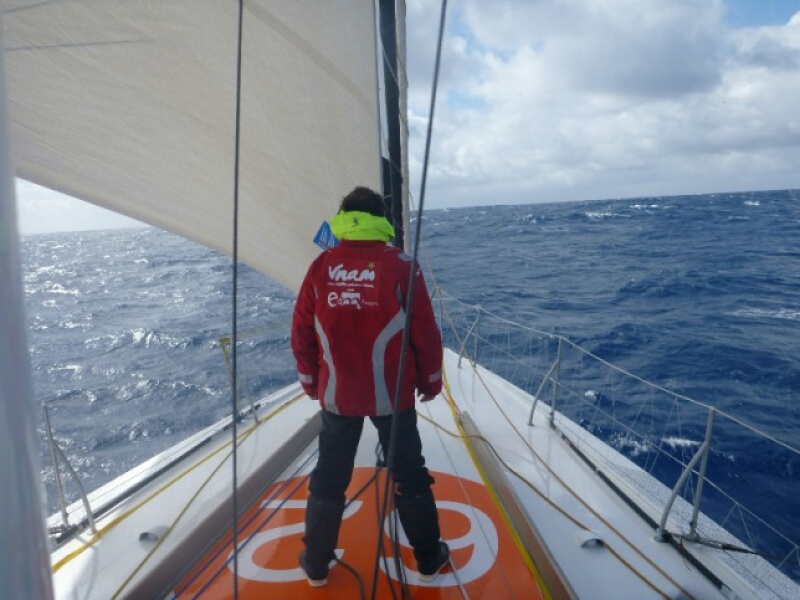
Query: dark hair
<point>365,200</point>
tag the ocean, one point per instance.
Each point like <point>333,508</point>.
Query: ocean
<point>698,294</point>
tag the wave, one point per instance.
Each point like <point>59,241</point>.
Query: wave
<point>141,338</point>
<point>788,314</point>
<point>681,291</point>
<point>49,287</point>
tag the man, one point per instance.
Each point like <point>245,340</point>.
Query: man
<point>347,334</point>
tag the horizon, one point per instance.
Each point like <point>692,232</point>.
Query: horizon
<point>138,225</point>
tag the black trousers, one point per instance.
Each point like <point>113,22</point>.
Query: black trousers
<point>338,442</point>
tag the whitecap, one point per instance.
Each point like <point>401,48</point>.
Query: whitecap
<point>788,314</point>
<point>634,447</point>
<point>57,288</point>
<point>596,215</point>
<point>675,442</point>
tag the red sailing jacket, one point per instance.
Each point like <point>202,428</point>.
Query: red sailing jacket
<point>347,331</point>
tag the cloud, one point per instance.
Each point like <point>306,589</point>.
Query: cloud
<point>580,99</point>
<point>554,100</point>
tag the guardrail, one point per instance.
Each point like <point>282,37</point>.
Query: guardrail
<point>691,447</point>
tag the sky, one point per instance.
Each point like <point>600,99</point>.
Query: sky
<point>560,100</point>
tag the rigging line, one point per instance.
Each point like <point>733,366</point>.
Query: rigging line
<point>401,64</point>
<point>183,511</point>
<point>546,466</point>
<point>221,569</point>
<point>746,512</point>
<point>381,551</point>
<point>577,496</point>
<point>266,520</point>
<point>469,500</point>
<point>483,473</point>
<point>467,496</point>
<point>655,386</point>
<point>371,481</point>
<point>543,497</point>
<point>393,533</point>
<point>411,288</point>
<point>399,565</point>
<point>170,458</point>
<point>201,566</point>
<point>234,317</point>
<point>119,519</point>
<point>300,484</point>
<point>460,585</point>
<point>728,547</point>
<point>401,68</point>
<point>389,64</point>
<point>720,413</point>
<point>74,45</point>
<point>361,591</point>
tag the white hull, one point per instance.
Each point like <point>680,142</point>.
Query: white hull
<point>570,505</point>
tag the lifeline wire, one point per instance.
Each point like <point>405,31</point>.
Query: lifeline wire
<point>410,300</point>
<point>234,320</point>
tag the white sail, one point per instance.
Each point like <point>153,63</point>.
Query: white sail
<point>24,560</point>
<point>131,106</point>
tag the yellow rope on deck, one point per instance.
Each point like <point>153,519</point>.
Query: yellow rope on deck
<point>122,517</point>
<point>583,502</point>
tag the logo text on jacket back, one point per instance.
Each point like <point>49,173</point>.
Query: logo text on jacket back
<point>339,273</point>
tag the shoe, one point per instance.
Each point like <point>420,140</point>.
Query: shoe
<point>317,575</point>
<point>429,568</point>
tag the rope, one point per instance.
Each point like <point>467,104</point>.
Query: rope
<point>409,306</point>
<point>676,406</point>
<point>539,493</point>
<point>719,412</point>
<point>301,484</point>
<point>547,467</point>
<point>263,524</point>
<point>235,300</point>
<point>471,503</point>
<point>183,511</point>
<point>577,496</point>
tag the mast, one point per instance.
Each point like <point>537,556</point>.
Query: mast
<point>392,169</point>
<point>402,81</point>
<point>24,557</point>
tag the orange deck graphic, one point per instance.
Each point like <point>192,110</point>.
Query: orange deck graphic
<point>487,561</point>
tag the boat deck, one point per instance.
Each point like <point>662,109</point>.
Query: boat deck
<point>516,528</point>
<point>485,561</point>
